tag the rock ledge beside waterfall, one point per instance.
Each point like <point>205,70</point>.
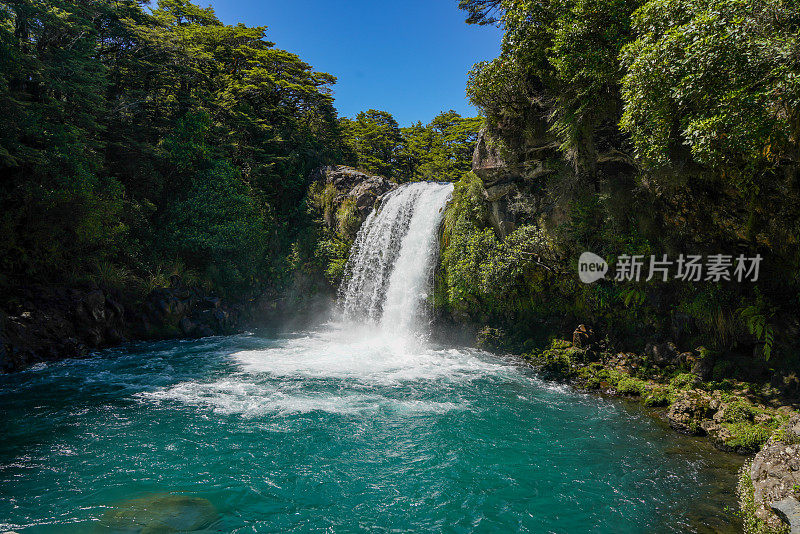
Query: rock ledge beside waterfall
<point>349,183</point>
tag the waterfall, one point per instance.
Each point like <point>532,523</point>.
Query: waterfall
<point>389,272</point>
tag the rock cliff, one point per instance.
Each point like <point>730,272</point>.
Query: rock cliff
<point>48,324</point>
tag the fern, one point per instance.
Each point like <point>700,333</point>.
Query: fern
<point>758,325</point>
<point>633,296</point>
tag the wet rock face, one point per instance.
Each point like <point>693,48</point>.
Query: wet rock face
<point>505,177</point>
<point>184,312</point>
<point>364,189</point>
<point>487,162</point>
<point>775,473</point>
<point>49,324</point>
<point>499,183</point>
<point>54,324</point>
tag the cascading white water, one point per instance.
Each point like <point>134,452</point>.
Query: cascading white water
<point>388,274</point>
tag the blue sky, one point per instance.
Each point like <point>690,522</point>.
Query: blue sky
<point>409,58</point>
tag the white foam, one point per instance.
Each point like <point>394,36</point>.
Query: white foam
<point>340,370</point>
<point>369,356</point>
<point>250,399</point>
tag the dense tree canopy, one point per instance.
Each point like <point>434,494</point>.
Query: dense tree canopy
<point>128,132</point>
<point>646,127</point>
<point>440,150</point>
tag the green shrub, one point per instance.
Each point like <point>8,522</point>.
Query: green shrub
<point>560,344</point>
<point>739,412</point>
<point>347,218</point>
<point>556,363</point>
<point>748,436</point>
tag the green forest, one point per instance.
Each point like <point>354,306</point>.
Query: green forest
<point>142,142</point>
<point>639,128</point>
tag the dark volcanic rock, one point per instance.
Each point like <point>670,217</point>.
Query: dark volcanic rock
<point>661,354</point>
<point>505,177</point>
<point>49,324</point>
<point>582,337</point>
<point>488,163</point>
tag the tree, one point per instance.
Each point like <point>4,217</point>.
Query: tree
<point>441,150</point>
<point>374,139</point>
<point>120,121</point>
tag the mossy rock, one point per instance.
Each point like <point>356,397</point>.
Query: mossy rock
<point>630,386</point>
<point>658,396</point>
<point>560,344</point>
<point>685,381</point>
<point>159,514</point>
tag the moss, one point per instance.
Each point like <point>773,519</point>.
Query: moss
<point>658,396</point>
<point>347,218</point>
<point>685,381</point>
<point>751,523</point>
<point>560,344</point>
<point>557,364</point>
<point>784,436</point>
<point>747,436</point>
<point>739,412</point>
<point>593,383</point>
<point>631,386</point>
<point>491,338</point>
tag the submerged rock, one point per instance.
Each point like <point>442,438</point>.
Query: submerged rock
<point>160,514</point>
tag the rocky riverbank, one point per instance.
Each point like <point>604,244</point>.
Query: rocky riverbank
<point>735,416</point>
<point>769,485</point>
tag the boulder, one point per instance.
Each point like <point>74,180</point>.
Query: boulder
<point>661,354</point>
<point>775,473</point>
<point>92,308</point>
<point>186,325</point>
<point>788,510</point>
<point>487,162</point>
<point>793,429</point>
<point>689,412</point>
<point>704,367</point>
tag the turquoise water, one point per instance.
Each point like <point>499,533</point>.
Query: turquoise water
<point>342,431</point>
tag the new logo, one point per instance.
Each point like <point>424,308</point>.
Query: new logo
<point>591,267</point>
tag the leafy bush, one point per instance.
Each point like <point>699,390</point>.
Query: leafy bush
<point>747,436</point>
